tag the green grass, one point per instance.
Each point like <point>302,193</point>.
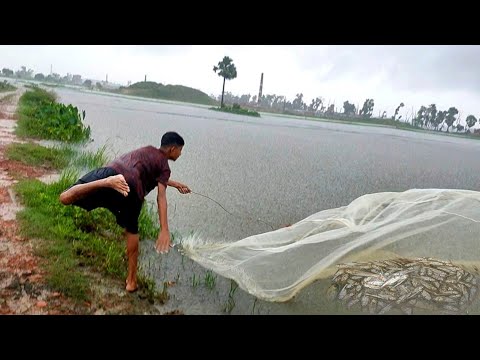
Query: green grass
<point>74,238</point>
<point>37,155</point>
<point>210,280</point>
<point>71,238</point>
<point>150,89</point>
<point>57,157</point>
<point>41,117</point>
<point>37,96</point>
<point>195,280</point>
<point>236,109</point>
<point>88,161</point>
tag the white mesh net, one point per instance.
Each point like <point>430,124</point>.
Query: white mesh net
<point>435,223</point>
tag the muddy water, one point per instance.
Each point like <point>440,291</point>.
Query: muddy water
<point>190,289</point>
<point>279,170</point>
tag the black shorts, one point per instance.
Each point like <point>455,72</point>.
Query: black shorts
<point>126,209</point>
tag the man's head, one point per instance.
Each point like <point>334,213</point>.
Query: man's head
<point>172,145</point>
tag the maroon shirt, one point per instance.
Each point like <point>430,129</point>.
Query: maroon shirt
<point>143,169</point>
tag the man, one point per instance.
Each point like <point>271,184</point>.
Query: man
<point>121,187</point>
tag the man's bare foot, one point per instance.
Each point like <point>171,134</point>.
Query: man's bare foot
<point>118,183</point>
<point>131,286</point>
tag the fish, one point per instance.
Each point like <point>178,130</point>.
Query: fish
<point>409,284</point>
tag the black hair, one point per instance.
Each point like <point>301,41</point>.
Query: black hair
<point>172,138</point>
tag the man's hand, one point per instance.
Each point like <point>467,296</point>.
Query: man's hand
<point>163,242</point>
<point>183,189</point>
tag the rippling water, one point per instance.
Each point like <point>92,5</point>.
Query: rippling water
<point>276,169</point>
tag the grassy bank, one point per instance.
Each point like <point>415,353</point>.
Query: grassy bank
<point>41,117</point>
<point>150,89</point>
<point>236,109</point>
<point>73,238</point>
<point>5,86</point>
<point>374,121</point>
<point>71,241</point>
<point>36,155</point>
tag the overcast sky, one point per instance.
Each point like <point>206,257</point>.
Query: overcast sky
<point>414,74</point>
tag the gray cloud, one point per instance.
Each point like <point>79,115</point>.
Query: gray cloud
<point>161,50</point>
<point>406,67</point>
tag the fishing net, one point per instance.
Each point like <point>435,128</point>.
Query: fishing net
<point>400,247</point>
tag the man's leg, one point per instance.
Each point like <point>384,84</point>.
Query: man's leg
<point>132,253</point>
<point>79,191</point>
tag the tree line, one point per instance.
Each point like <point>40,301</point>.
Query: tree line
<point>429,117</point>
<point>55,78</point>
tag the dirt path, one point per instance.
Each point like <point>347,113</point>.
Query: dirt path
<point>23,289</point>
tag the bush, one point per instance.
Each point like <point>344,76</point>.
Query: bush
<point>41,116</point>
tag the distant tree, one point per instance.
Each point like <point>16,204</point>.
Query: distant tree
<point>77,79</point>
<point>431,115</point>
<point>315,104</point>
<point>450,118</point>
<point>245,99</point>
<point>397,110</point>
<point>227,70</point>
<point>7,72</point>
<point>39,77</point>
<point>471,121</point>
<point>229,97</point>
<point>267,100</point>
<point>23,73</point>
<point>367,109</point>
<point>331,109</point>
<point>441,116</point>
<point>87,83</point>
<point>420,119</point>
<point>67,79</point>
<point>19,73</point>
<point>55,77</point>
<point>278,102</point>
<point>348,109</point>
<point>298,103</point>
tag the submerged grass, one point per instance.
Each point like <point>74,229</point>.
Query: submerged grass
<point>91,160</point>
<point>210,280</point>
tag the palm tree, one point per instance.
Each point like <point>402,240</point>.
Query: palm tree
<point>227,71</point>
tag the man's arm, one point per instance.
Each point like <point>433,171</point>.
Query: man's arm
<point>163,241</point>
<point>184,189</point>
